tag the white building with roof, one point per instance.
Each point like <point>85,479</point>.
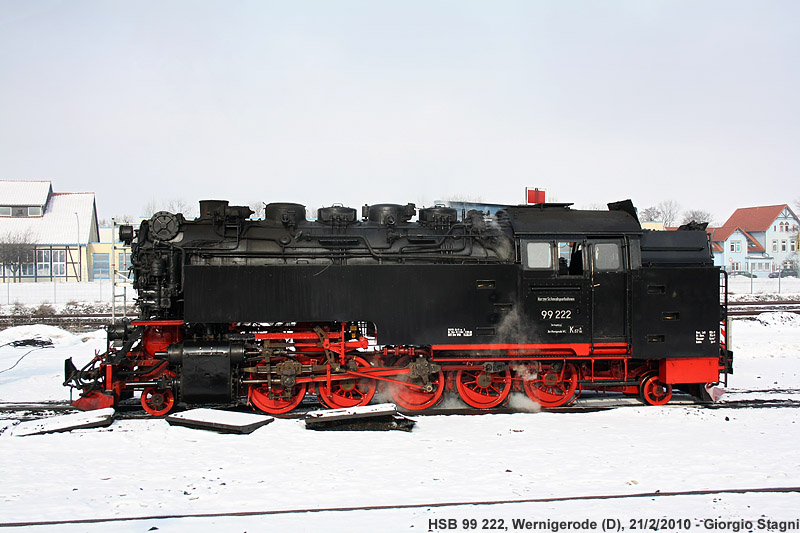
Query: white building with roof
<point>45,236</point>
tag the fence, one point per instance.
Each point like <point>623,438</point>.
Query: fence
<point>744,285</point>
<point>60,293</point>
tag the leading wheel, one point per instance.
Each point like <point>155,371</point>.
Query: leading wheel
<point>347,392</point>
<point>157,402</point>
<point>418,396</point>
<point>653,391</point>
<point>553,386</point>
<point>481,389</point>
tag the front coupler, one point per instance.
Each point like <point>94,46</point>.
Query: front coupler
<point>96,380</point>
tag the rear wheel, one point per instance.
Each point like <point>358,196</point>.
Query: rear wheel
<point>653,391</point>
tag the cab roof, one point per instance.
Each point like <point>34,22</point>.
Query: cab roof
<point>555,219</point>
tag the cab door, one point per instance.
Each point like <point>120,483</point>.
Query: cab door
<point>609,283</point>
<point>555,292</point>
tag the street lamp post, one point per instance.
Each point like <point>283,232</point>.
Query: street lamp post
<point>78,243</point>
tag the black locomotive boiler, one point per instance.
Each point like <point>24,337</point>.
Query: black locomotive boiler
<point>543,299</point>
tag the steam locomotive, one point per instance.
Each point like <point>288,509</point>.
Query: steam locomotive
<point>542,299</point>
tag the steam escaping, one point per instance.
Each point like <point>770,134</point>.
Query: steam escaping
<point>382,395</point>
<point>452,401</point>
<point>519,401</point>
<point>512,329</point>
<point>524,372</point>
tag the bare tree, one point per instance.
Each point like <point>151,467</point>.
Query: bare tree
<point>175,205</point>
<point>670,209</point>
<point>464,198</point>
<point>650,214</point>
<point>16,249</point>
<point>698,215</point>
<point>124,219</point>
<point>119,219</point>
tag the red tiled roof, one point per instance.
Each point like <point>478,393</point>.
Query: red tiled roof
<point>755,218</point>
<point>752,244</point>
<point>720,235</point>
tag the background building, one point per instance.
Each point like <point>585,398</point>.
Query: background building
<point>45,236</point>
<point>758,240</point>
<point>108,254</point>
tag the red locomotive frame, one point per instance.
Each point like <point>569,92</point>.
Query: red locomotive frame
<point>345,372</point>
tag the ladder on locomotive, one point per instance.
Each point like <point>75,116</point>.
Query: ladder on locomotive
<point>725,321</point>
<point>120,277</point>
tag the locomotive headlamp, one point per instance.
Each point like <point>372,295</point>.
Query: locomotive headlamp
<point>126,234</point>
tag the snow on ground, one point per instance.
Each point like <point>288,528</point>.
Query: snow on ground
<point>147,468</point>
<point>39,373</point>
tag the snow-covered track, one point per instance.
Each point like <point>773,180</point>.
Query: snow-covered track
<point>36,406</point>
<point>756,308</point>
<point>429,505</point>
<point>27,411</point>
<point>65,321</point>
<point>129,411</point>
<point>755,404</point>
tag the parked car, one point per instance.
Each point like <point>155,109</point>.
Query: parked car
<point>783,274</point>
<point>743,273</point>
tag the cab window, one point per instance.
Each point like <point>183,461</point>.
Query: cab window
<point>607,256</point>
<point>538,255</point>
<point>570,258</point>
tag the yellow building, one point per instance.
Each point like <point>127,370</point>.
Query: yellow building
<point>109,254</point>
<point>653,224</point>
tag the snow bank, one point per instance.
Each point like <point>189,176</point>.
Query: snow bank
<point>36,374</point>
<point>779,319</point>
<point>57,336</point>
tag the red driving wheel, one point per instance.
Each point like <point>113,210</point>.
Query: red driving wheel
<point>280,403</point>
<point>349,392</point>
<point>415,398</point>
<point>481,389</point>
<point>553,386</point>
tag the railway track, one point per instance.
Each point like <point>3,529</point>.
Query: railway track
<point>304,511</point>
<point>601,402</point>
<point>75,323</point>
<point>756,308</point>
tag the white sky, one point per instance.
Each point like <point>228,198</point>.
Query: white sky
<point>353,102</point>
